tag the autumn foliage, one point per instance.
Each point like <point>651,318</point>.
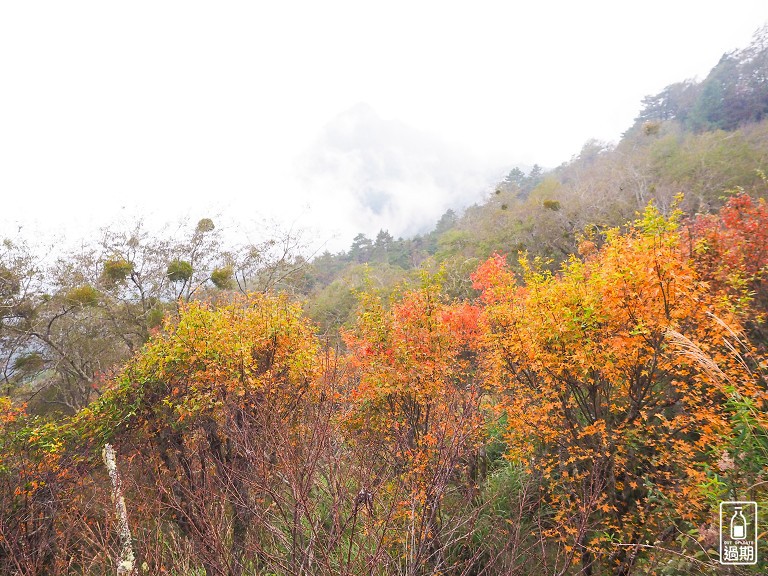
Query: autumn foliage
<point>415,407</point>
<point>212,406</point>
<point>584,421</point>
<point>730,250</point>
<point>604,392</point>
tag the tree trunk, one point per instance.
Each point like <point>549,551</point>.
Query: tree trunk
<point>126,565</point>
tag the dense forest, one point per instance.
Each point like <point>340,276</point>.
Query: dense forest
<point>565,379</point>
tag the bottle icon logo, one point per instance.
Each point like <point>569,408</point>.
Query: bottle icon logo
<point>738,525</point>
<point>738,533</point>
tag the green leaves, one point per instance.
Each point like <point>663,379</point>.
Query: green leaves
<point>116,270</point>
<point>9,283</point>
<point>179,271</point>
<point>205,225</point>
<point>222,278</point>
<point>653,222</point>
<point>85,295</point>
<point>28,363</point>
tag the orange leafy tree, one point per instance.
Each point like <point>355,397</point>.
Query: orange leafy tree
<point>415,408</point>
<point>601,395</point>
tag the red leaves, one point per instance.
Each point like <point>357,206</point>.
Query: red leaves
<point>415,401</point>
<point>491,274</point>
<point>731,250</point>
<point>462,320</point>
<point>414,347</point>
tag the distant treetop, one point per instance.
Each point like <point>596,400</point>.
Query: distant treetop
<point>733,94</point>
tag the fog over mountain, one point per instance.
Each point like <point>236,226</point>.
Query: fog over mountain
<point>369,172</point>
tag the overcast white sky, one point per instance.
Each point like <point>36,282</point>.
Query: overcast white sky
<point>338,116</point>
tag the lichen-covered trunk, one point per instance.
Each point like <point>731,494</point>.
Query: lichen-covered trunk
<point>126,565</point>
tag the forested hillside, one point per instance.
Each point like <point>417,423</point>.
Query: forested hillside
<point>565,379</point>
<point>546,213</point>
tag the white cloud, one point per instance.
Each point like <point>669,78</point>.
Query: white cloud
<point>185,108</point>
<point>368,173</point>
